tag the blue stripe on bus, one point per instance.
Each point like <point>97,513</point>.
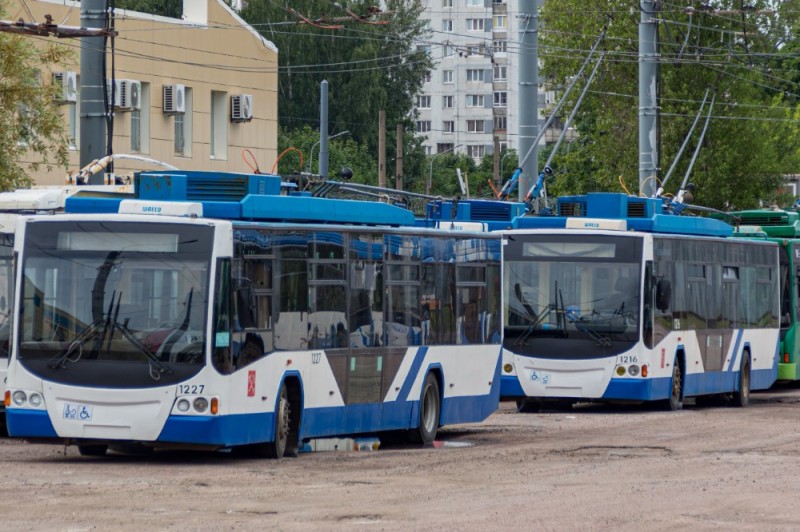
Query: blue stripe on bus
<point>411,376</point>
<point>29,423</point>
<point>510,388</point>
<point>709,382</point>
<point>735,352</point>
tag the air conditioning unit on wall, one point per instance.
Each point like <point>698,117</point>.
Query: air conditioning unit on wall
<point>68,86</point>
<point>242,108</point>
<point>127,94</point>
<point>174,99</point>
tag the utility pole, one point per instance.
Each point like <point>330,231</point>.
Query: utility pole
<point>528,90</point>
<point>398,178</point>
<point>323,129</point>
<point>93,98</point>
<point>382,148</point>
<point>648,98</point>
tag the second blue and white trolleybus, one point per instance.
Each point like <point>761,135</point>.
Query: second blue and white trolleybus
<point>613,299</point>
<point>214,311</point>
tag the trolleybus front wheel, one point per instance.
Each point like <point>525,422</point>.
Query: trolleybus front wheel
<point>92,450</point>
<point>277,447</point>
<point>741,397</point>
<point>675,401</point>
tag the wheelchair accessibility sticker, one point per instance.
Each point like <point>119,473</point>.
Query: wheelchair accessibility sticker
<point>538,376</point>
<point>77,412</point>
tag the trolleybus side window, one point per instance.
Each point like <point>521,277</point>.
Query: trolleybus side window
<point>366,290</point>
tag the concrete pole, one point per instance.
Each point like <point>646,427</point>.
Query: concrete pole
<point>528,90</point>
<point>382,148</point>
<point>93,110</point>
<point>648,98</point>
<point>398,179</point>
<point>324,154</point>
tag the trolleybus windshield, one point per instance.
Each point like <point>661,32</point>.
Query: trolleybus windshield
<point>571,296</point>
<point>117,303</point>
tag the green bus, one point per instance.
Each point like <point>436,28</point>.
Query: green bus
<point>783,227</point>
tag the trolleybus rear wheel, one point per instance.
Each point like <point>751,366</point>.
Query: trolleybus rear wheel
<point>742,396</point>
<point>675,401</point>
<point>429,407</point>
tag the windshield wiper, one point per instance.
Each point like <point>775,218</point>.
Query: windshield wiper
<point>58,361</point>
<point>557,307</point>
<point>157,368</point>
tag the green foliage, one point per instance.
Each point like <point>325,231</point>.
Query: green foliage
<point>343,152</point>
<point>748,146</point>
<point>368,67</point>
<point>31,126</point>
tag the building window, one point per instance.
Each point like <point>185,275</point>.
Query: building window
<point>423,126</point>
<point>500,46</point>
<point>219,125</point>
<point>426,78</point>
<point>500,73</point>
<point>447,25</point>
<point>428,150</point>
<point>140,123</point>
<point>474,24</point>
<point>475,126</point>
<point>500,98</point>
<point>474,74</point>
<point>476,151</point>
<point>443,147</point>
<point>447,76</point>
<point>449,126</point>
<point>474,3</point>
<point>448,50</point>
<point>447,3</point>
<point>474,100</point>
<point>499,22</point>
<point>500,123</point>
<point>448,102</point>
<point>424,48</point>
<point>498,1</point>
<point>424,101</point>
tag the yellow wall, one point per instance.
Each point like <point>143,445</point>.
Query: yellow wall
<point>223,54</point>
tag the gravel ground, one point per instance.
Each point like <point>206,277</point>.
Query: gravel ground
<point>592,468</point>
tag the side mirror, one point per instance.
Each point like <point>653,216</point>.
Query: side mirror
<point>663,294</point>
<point>245,307</point>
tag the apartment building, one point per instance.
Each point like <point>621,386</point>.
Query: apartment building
<point>191,92</point>
<point>471,95</point>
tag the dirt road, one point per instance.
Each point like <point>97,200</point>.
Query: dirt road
<point>596,467</point>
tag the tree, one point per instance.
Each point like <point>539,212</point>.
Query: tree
<point>726,49</point>
<point>369,68</point>
<point>33,131</point>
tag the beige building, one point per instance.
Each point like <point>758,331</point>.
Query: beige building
<point>191,92</point>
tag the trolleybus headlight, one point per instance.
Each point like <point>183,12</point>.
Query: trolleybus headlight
<point>620,370</point>
<point>201,404</point>
<point>633,370</point>
<point>35,400</point>
<point>508,368</point>
<point>183,405</point>
<point>19,398</point>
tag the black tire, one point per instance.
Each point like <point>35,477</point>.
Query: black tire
<point>526,406</point>
<point>92,450</point>
<point>283,412</point>
<point>675,401</point>
<point>429,409</point>
<point>741,398</point>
